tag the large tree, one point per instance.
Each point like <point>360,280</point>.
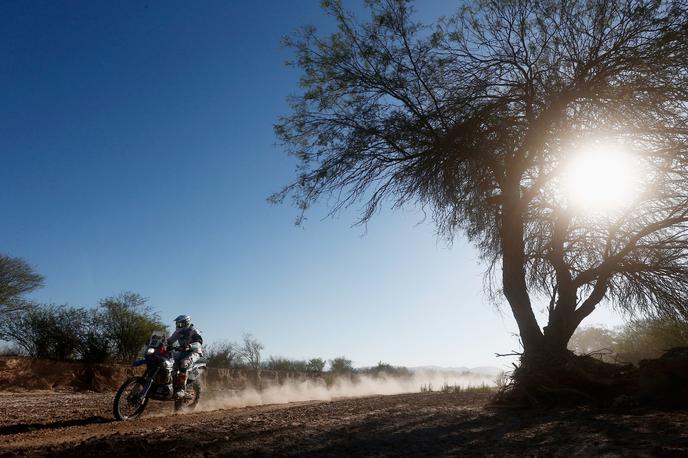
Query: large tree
<point>476,120</point>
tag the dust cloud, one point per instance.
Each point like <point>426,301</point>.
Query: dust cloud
<point>343,387</point>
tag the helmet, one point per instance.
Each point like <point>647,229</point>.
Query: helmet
<point>183,321</point>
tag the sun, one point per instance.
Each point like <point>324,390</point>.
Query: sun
<point>601,177</point>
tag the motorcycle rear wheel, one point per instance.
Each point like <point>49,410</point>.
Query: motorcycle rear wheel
<point>128,402</point>
<point>186,404</point>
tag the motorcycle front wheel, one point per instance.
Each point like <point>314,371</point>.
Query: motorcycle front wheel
<point>129,400</point>
<point>189,401</point>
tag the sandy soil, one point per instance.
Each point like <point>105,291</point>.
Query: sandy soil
<point>68,424</point>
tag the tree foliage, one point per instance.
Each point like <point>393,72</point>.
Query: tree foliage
<point>636,340</point>
<point>47,331</point>
<point>650,338</point>
<point>315,365</point>
<point>17,278</point>
<point>341,365</point>
<point>224,354</point>
<point>385,369</point>
<point>279,363</point>
<point>114,331</point>
<point>128,323</point>
<point>474,120</point>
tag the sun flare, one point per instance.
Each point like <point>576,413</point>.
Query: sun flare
<point>601,177</point>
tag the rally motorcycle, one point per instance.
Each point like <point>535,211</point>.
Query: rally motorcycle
<point>157,381</point>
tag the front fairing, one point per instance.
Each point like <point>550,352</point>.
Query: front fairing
<point>160,359</point>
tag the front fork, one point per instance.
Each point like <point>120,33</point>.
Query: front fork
<point>149,382</point>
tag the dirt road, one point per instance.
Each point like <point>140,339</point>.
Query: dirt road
<point>63,424</point>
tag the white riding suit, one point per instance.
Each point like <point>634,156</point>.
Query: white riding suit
<point>190,338</point>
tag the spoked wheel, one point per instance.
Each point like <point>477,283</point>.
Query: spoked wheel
<point>191,398</point>
<point>129,400</point>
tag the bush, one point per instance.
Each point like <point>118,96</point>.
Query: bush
<point>386,369</point>
<point>94,345</point>
<point>315,365</point>
<point>224,354</point>
<point>341,365</point>
<point>278,363</point>
<point>127,323</point>
<point>116,330</point>
<point>650,338</point>
<point>46,331</point>
<point>637,340</point>
<point>447,388</point>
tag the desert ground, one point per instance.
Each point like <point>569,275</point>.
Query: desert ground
<point>451,424</point>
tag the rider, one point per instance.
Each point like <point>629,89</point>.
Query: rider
<point>191,343</point>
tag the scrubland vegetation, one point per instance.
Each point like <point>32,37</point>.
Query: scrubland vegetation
<point>114,330</point>
<point>247,354</point>
<point>637,340</point>
<point>457,388</point>
<point>117,328</point>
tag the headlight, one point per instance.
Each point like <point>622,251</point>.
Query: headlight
<point>150,351</point>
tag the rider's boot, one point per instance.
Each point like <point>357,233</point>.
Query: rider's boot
<point>179,391</point>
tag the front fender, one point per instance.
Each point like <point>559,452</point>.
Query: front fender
<point>138,363</point>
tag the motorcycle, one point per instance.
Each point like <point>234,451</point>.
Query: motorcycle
<point>157,382</point>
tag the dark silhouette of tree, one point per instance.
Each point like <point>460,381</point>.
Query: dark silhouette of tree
<point>474,120</point>
<point>16,279</point>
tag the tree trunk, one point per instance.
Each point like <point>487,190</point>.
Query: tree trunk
<point>562,322</point>
<point>514,277</point>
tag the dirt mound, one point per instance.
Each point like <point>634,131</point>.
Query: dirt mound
<point>575,379</point>
<point>26,374</point>
<point>664,380</point>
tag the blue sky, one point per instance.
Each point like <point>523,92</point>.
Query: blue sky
<point>137,155</point>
